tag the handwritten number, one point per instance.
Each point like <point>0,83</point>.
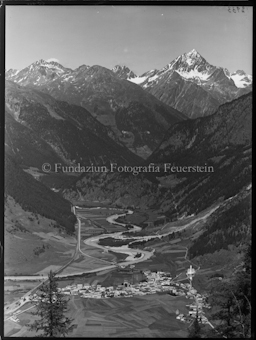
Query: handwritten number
<point>236,9</point>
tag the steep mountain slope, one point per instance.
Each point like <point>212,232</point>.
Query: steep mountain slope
<point>34,197</point>
<point>105,96</point>
<point>56,131</point>
<point>231,125</point>
<point>189,97</point>
<point>193,86</point>
<point>26,146</point>
<point>227,226</point>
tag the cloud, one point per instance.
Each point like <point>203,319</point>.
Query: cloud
<point>53,59</point>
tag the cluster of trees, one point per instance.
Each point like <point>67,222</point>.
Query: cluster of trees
<point>35,197</point>
<point>39,250</point>
<point>231,306</point>
<point>112,242</point>
<point>143,232</point>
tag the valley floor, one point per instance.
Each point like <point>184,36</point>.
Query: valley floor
<point>137,316</point>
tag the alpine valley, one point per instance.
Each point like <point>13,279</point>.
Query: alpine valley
<point>180,142</point>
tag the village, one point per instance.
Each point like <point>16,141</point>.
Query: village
<point>156,282</point>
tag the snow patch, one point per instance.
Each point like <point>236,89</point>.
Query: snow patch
<point>152,78</point>
<point>241,81</point>
<point>193,74</point>
<point>137,80</point>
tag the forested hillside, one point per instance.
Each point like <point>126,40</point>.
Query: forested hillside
<point>229,226</point>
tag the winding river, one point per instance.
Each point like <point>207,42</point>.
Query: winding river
<point>130,252</point>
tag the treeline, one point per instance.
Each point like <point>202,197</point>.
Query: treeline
<point>230,228</point>
<point>33,196</point>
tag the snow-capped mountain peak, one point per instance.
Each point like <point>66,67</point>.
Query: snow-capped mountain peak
<point>49,64</point>
<point>241,79</point>
<point>38,73</point>
<point>192,57</point>
<point>193,54</point>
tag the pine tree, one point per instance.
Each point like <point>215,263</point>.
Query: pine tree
<point>51,308</point>
<point>195,330</point>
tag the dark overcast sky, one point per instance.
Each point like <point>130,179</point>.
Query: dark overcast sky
<point>140,37</point>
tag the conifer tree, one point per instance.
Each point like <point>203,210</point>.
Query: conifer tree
<point>195,330</point>
<point>51,308</point>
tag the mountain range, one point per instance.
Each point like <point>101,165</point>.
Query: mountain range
<point>134,117</point>
<point>139,109</point>
<point>188,84</point>
<point>55,131</point>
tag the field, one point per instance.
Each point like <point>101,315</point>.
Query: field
<point>94,221</point>
<point>14,290</point>
<point>31,253</point>
<point>84,264</point>
<point>110,277</point>
<point>146,316</point>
